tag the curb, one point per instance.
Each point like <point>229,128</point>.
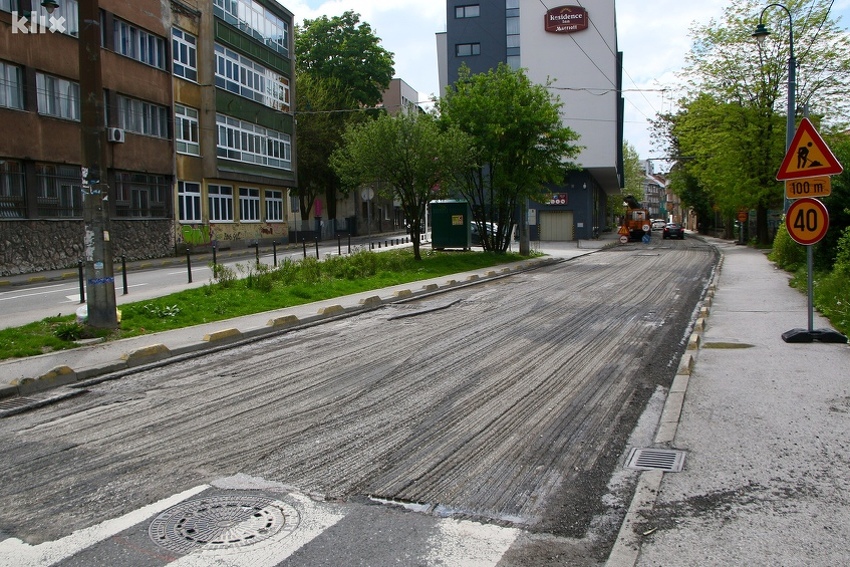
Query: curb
<point>626,549</point>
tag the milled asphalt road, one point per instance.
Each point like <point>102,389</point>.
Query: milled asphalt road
<point>764,425</point>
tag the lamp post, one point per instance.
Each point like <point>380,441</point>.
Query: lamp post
<point>760,33</point>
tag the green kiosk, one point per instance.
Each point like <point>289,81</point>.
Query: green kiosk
<point>450,225</point>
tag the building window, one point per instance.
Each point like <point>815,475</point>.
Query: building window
<point>57,97</point>
<point>184,46</point>
<point>188,201</point>
<point>221,203</point>
<point>186,130</point>
<point>247,142</point>
<point>512,7</point>
<point>240,75</point>
<point>11,93</point>
<point>255,20</point>
<point>68,9</point>
<point>59,193</point>
<point>467,49</point>
<point>274,206</point>
<point>6,5</point>
<point>471,11</point>
<point>142,117</point>
<point>140,45</point>
<point>140,195</point>
<point>13,200</point>
<point>249,204</point>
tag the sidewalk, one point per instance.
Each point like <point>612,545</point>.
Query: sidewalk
<point>765,429</point>
<point>38,378</point>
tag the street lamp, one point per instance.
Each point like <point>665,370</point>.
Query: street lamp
<point>760,33</point>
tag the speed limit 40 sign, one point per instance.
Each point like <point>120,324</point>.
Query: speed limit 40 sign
<point>807,220</point>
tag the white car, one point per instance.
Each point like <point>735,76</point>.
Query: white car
<point>658,224</point>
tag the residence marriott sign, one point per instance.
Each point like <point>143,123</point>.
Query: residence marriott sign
<point>566,19</point>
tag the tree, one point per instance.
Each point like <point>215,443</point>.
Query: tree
<point>341,73</point>
<point>730,123</point>
<point>406,157</point>
<point>520,143</point>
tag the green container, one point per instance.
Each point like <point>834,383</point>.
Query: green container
<point>450,225</point>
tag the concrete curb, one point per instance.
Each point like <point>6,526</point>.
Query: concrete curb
<point>626,549</point>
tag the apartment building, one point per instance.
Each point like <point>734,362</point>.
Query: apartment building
<point>198,133</point>
<point>576,47</point>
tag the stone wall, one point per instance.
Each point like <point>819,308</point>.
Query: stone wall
<point>31,246</point>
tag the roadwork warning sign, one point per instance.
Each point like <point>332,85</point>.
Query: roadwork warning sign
<point>808,156</point>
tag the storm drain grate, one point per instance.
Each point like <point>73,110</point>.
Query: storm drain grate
<point>666,460</point>
<point>222,522</point>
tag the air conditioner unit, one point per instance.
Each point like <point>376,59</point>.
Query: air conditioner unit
<point>115,135</point>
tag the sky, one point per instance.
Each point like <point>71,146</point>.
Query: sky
<point>653,36</point>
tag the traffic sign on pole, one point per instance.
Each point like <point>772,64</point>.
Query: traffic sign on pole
<point>807,221</point>
<point>808,156</point>
<point>808,187</point>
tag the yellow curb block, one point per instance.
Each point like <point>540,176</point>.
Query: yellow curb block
<point>283,321</point>
<point>37,279</point>
<point>331,310</point>
<point>686,367</point>
<point>430,287</point>
<point>371,301</point>
<point>472,278</point>
<point>693,341</point>
<point>222,335</point>
<point>58,376</point>
<point>403,293</point>
<point>150,353</point>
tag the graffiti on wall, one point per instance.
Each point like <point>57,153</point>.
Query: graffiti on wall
<point>202,234</point>
<point>196,235</point>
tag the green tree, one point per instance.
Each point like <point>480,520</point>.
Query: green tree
<point>406,157</point>
<point>520,143</point>
<point>341,73</point>
<point>730,123</point>
<point>634,175</point>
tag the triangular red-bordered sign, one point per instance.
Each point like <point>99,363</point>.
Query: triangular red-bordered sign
<point>808,156</point>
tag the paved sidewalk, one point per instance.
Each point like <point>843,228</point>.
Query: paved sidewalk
<point>765,427</point>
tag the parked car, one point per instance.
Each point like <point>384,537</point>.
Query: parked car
<point>674,230</point>
<point>658,224</point>
<point>476,235</point>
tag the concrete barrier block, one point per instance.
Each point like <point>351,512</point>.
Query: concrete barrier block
<point>699,324</point>
<point>223,335</point>
<point>59,376</point>
<point>693,341</point>
<point>430,287</point>
<point>403,293</point>
<point>145,355</point>
<point>372,301</point>
<point>331,310</point>
<point>686,366</point>
<point>285,321</point>
<point>472,278</point>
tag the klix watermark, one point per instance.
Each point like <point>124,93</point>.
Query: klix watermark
<point>35,23</point>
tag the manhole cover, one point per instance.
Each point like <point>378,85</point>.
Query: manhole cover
<point>222,522</point>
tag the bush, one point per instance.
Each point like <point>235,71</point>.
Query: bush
<point>70,331</point>
<point>842,257</point>
<point>787,254</point>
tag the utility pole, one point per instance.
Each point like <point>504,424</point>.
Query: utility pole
<point>100,281</point>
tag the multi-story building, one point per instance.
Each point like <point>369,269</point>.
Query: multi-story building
<point>655,194</point>
<point>575,47</point>
<point>234,127</point>
<point>199,127</point>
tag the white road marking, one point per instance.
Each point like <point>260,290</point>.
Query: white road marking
<point>15,552</point>
<point>462,542</point>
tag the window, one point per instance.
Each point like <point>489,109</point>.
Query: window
<point>142,117</point>
<point>247,142</point>
<point>13,202</point>
<point>256,20</point>
<point>57,97</point>
<point>140,195</point>
<point>6,5</point>
<point>240,75</point>
<point>67,9</point>
<point>274,206</point>
<point>467,11</point>
<point>59,193</point>
<point>467,49</point>
<point>186,130</point>
<point>11,93</point>
<point>188,201</point>
<point>140,45</point>
<point>221,203</point>
<point>249,204</point>
<point>184,46</point>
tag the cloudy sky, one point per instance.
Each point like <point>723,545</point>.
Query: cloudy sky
<point>653,36</point>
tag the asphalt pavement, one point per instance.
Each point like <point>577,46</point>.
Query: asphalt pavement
<point>758,426</point>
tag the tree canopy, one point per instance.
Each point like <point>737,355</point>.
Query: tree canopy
<point>728,133</point>
<point>519,140</point>
<point>406,157</point>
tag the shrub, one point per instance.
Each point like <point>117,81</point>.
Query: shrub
<point>69,331</point>
<point>787,254</point>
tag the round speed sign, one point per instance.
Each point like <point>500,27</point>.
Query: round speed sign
<point>807,220</point>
